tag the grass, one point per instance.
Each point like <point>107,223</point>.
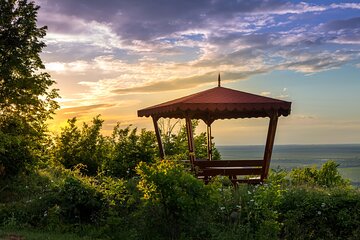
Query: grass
<point>31,234</point>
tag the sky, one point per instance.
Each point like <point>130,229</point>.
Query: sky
<point>116,57</point>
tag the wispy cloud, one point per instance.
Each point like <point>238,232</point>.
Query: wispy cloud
<point>83,109</point>
<point>188,82</point>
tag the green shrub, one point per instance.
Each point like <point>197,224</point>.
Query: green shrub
<point>128,148</point>
<point>174,200</point>
<point>17,146</point>
<point>248,212</point>
<point>79,201</point>
<point>327,176</point>
<point>82,146</point>
<point>317,214</point>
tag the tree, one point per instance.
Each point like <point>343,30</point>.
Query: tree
<point>26,101</point>
<point>84,146</point>
<point>129,148</point>
<point>176,145</point>
<point>116,155</point>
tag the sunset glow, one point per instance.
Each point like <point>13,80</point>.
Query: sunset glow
<point>115,57</point>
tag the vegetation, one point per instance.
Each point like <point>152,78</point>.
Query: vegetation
<point>83,185</point>
<point>165,201</point>
<point>25,99</point>
<point>176,145</point>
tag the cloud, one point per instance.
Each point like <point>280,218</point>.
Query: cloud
<point>232,32</point>
<point>302,116</point>
<point>145,21</point>
<point>61,67</point>
<point>114,48</point>
<point>317,61</point>
<point>265,93</point>
<point>345,5</point>
<point>344,31</point>
<point>188,82</point>
<point>352,23</point>
<point>81,110</point>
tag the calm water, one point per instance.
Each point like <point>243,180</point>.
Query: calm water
<point>291,156</point>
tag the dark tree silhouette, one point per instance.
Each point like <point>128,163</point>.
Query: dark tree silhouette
<point>26,100</point>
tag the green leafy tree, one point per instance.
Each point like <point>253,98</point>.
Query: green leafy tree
<point>83,146</point>
<point>116,155</point>
<point>128,149</point>
<point>327,176</point>
<point>26,101</point>
<point>176,144</point>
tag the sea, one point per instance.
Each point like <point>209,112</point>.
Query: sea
<point>293,156</point>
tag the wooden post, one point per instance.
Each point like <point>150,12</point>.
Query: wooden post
<point>209,143</point>
<point>158,137</point>
<point>190,138</point>
<point>269,145</point>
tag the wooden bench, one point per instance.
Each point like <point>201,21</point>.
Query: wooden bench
<point>238,171</point>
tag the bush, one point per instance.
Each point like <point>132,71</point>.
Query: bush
<point>79,201</point>
<point>82,146</point>
<point>128,148</point>
<point>247,212</point>
<point>327,176</point>
<point>115,156</point>
<point>17,146</point>
<point>174,200</point>
<point>82,199</point>
<point>318,214</point>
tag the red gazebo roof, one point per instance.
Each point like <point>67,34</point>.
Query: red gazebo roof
<point>218,103</point>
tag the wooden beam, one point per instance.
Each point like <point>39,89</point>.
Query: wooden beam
<point>228,163</point>
<point>209,143</point>
<point>269,145</point>
<point>190,138</point>
<point>158,137</point>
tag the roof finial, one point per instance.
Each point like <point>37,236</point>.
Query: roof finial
<point>219,81</point>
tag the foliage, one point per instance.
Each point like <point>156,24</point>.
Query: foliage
<point>82,146</point>
<point>166,202</point>
<point>128,149</point>
<point>62,200</point>
<point>174,198</point>
<point>327,176</point>
<point>16,148</point>
<point>119,154</point>
<point>318,214</point>
<point>247,211</point>
<point>31,234</point>
<point>176,144</point>
<point>25,99</point>
<point>79,201</point>
<point>115,156</point>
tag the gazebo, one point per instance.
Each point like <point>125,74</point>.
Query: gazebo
<point>222,103</point>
